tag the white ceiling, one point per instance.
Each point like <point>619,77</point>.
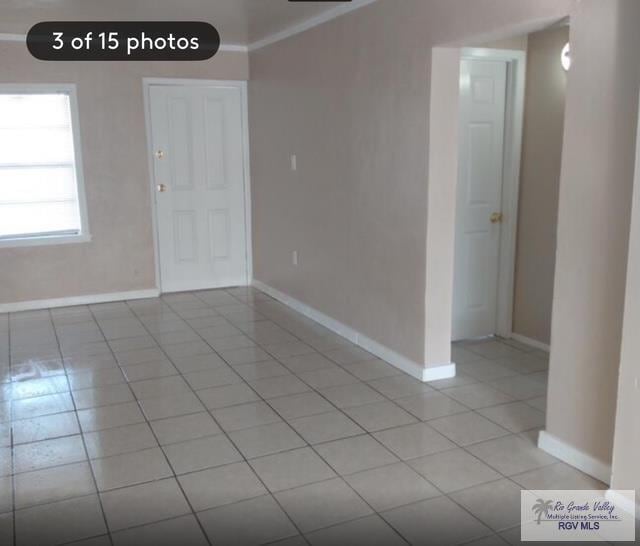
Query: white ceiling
<point>239,21</point>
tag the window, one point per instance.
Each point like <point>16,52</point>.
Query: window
<point>41,192</point>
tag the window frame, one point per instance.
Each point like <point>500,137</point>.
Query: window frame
<point>83,235</point>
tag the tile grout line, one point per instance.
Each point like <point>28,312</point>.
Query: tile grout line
<point>406,461</point>
<point>272,320</point>
<point>338,475</point>
<point>159,445</point>
<point>401,461</point>
<point>366,432</point>
<point>380,514</point>
<point>223,432</point>
<point>82,438</point>
<point>228,437</point>
<point>11,441</point>
<point>309,445</point>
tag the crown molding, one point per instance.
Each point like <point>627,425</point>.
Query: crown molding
<point>564,22</point>
<point>235,48</point>
<point>309,23</point>
<point>297,28</point>
<point>12,37</point>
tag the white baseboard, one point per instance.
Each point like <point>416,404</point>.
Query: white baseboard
<point>574,457</point>
<point>403,363</point>
<point>432,373</point>
<point>531,342</point>
<point>624,502</point>
<point>206,285</point>
<point>78,300</point>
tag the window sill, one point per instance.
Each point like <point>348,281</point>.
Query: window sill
<point>44,240</point>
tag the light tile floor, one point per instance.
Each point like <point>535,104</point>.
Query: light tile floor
<point>224,417</point>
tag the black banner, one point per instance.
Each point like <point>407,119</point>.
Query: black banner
<point>123,41</point>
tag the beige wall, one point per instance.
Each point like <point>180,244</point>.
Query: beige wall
<point>441,204</point>
<point>540,184</point>
<point>626,449</point>
<point>357,116</point>
<point>516,42</point>
<point>593,225</point>
<point>351,99</point>
<point>114,149</point>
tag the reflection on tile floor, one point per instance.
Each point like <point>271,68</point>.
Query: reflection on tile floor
<point>224,417</point>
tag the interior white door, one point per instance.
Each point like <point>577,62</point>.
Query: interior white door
<point>479,198</point>
<point>199,186</point>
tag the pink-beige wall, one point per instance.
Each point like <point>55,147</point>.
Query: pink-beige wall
<point>351,99</point>
<point>516,42</point>
<point>353,105</point>
<point>441,204</point>
<point>593,226</point>
<point>626,448</point>
<point>542,135</point>
<point>120,256</point>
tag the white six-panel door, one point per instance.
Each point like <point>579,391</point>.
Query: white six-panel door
<point>197,148</point>
<point>479,198</point>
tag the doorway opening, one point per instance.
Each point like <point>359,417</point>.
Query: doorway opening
<point>511,122</point>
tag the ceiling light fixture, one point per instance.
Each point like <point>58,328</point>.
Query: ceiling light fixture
<point>565,57</point>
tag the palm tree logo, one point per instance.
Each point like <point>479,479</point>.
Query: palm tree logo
<point>541,508</point>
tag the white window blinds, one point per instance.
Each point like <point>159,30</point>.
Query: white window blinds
<point>38,175</point>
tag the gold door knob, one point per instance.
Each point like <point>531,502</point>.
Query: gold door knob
<point>161,188</point>
<point>496,218</point>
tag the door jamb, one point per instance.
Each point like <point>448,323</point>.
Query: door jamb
<point>147,83</point>
<point>514,115</point>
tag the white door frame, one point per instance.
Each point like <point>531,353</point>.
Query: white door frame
<point>147,83</point>
<point>516,77</point>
